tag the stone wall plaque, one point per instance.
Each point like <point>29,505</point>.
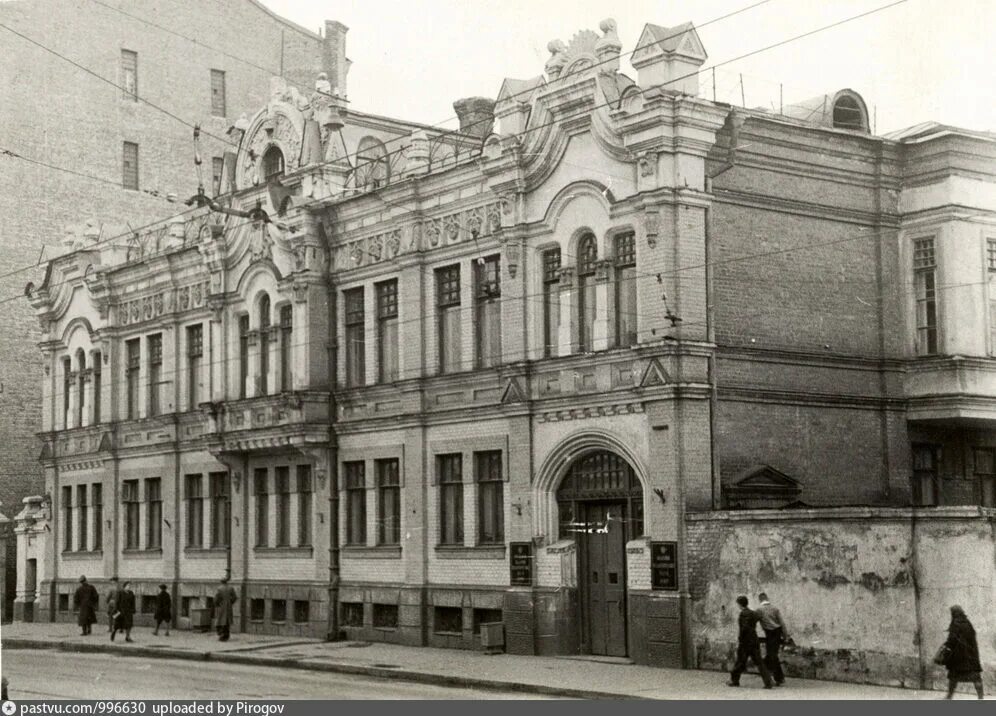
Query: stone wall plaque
<point>664,566</point>
<point>521,564</point>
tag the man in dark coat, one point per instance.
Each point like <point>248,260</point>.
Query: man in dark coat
<point>963,664</point>
<point>748,646</point>
<point>224,600</point>
<point>124,600</point>
<point>85,601</point>
<point>112,607</point>
<point>164,610</point>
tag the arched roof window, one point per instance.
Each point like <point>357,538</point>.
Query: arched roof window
<point>849,114</point>
<point>273,163</point>
<point>373,166</point>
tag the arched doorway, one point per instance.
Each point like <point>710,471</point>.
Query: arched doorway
<point>600,505</point>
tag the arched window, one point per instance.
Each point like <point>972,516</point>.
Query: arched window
<point>80,386</point>
<point>847,114</point>
<point>373,167</point>
<point>273,163</point>
<point>264,344</point>
<point>587,256</point>
<point>625,293</point>
<point>286,336</point>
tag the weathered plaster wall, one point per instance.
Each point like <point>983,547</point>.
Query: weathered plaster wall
<point>865,592</point>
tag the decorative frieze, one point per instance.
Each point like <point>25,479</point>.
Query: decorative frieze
<point>593,411</point>
<point>159,304</point>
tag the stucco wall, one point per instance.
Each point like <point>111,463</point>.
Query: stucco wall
<point>865,592</point>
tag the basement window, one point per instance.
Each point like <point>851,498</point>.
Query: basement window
<point>447,620</point>
<point>278,611</point>
<point>485,616</point>
<point>352,614</point>
<point>385,616</point>
<point>302,611</point>
<point>63,602</point>
<point>185,606</point>
<point>148,604</point>
<point>257,610</point>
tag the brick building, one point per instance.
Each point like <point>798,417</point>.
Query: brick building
<point>192,59</point>
<point>448,380</point>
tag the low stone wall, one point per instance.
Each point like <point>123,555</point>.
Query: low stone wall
<point>865,592</point>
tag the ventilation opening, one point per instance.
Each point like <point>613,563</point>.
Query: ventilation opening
<point>847,114</point>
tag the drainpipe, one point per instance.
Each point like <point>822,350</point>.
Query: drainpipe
<point>333,633</point>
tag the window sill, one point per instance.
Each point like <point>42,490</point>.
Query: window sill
<point>205,552</point>
<point>387,551</point>
<point>384,628</point>
<point>90,554</point>
<point>282,552</point>
<point>448,633</point>
<point>142,554</point>
<point>484,551</point>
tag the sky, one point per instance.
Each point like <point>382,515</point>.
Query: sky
<point>921,60</point>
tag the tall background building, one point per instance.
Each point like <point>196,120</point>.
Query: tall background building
<point>111,90</point>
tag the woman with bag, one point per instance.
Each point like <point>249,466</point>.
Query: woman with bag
<point>962,659</point>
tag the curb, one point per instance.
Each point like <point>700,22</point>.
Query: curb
<point>311,665</point>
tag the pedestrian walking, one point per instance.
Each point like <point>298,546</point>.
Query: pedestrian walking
<point>125,611</point>
<point>963,661</point>
<point>112,604</point>
<point>775,634</point>
<point>748,646</point>
<point>85,600</point>
<point>164,610</point>
<point>224,600</point>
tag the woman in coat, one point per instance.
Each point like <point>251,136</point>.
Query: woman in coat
<point>125,601</point>
<point>963,664</point>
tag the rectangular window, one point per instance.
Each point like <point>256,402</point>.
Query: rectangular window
<point>155,348</point>
<point>67,519</point>
<point>551,302</point>
<point>129,75</point>
<point>486,616</point>
<point>625,250</point>
<point>81,505</point>
<point>985,476</point>
<point>194,497</point>
<point>217,171</point>
<point>924,278</point>
<point>154,513</point>
<point>450,471</point>
<point>387,331</point>
<point>490,497</point>
<point>304,499</point>
<point>388,501</point>
<point>352,614</point>
<point>195,355</point>
<point>355,337</point>
<point>385,616</point>
<point>447,620</point>
<point>185,603</point>
<point>129,166</point>
<point>926,489</point>
<point>132,374</point>
<point>218,93</point>
<point>243,354</point>
<point>487,312</point>
<point>96,387</point>
<point>282,479</point>
<point>261,490</point>
<point>286,344</point>
<point>132,505</point>
<point>278,610</point>
<point>356,502</point>
<point>257,610</point>
<point>448,310</point>
<point>148,604</point>
<point>302,611</point>
<point>221,510</point>
<point>67,391</point>
<point>97,497</point>
<point>586,261</point>
<point>64,602</point>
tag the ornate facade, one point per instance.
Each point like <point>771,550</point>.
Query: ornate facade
<point>401,383</point>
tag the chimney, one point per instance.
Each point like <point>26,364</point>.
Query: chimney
<point>476,114</point>
<point>334,60</point>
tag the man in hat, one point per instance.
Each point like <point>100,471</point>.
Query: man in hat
<point>85,601</point>
<point>748,646</point>
<point>224,600</point>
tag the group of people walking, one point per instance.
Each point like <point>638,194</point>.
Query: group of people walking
<point>959,654</point>
<point>121,608</point>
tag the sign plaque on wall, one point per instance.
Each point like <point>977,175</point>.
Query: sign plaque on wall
<point>664,566</point>
<point>521,564</point>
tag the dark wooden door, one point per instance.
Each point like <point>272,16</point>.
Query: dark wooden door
<point>603,562</point>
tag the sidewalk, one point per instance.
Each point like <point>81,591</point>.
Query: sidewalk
<point>567,677</point>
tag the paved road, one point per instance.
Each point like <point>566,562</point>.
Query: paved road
<point>49,674</point>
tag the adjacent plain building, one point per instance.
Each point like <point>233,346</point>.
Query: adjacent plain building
<point>402,384</point>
